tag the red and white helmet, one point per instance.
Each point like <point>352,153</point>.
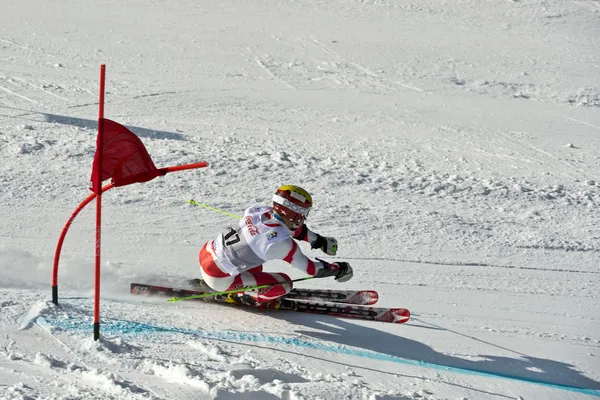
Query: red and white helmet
<point>292,202</point>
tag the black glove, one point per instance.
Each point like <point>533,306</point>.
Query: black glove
<point>341,270</point>
<point>345,272</point>
<point>327,245</point>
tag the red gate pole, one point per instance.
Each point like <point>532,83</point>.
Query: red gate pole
<point>87,201</point>
<point>201,164</point>
<point>99,146</point>
<point>61,240</point>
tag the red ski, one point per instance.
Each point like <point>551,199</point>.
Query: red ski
<point>359,297</point>
<point>301,304</point>
<point>381,314</point>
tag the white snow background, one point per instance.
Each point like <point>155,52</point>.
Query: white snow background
<point>452,147</point>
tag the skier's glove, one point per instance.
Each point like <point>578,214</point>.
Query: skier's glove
<point>341,270</point>
<point>327,245</point>
<point>344,272</point>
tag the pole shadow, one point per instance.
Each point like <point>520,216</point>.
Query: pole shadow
<point>92,124</point>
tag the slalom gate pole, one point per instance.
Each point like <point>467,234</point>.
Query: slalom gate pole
<point>88,200</point>
<point>204,295</point>
<point>99,146</point>
<point>61,240</point>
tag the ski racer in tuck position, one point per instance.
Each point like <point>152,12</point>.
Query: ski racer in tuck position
<point>235,258</point>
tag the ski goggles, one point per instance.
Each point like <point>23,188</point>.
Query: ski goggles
<point>294,207</point>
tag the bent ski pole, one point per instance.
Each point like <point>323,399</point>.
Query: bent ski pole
<point>210,294</point>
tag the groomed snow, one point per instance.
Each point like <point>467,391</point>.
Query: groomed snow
<point>452,148</point>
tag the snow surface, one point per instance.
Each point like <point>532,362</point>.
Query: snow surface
<point>452,148</point>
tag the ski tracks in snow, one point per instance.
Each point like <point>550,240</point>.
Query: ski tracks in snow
<point>20,88</point>
<point>32,91</point>
<point>44,362</point>
<point>319,67</point>
<point>50,350</point>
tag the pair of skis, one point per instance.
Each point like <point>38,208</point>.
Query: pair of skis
<point>355,304</point>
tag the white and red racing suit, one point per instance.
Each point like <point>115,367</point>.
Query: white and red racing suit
<point>235,258</point>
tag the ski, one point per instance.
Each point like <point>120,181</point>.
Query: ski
<point>361,297</point>
<point>358,297</point>
<point>155,290</point>
<point>380,314</point>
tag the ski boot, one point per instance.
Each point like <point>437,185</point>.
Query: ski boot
<point>249,300</point>
<point>200,285</point>
<point>242,299</point>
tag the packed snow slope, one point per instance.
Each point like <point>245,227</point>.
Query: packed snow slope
<point>452,148</point>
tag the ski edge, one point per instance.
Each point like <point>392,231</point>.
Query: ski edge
<point>341,310</point>
<point>378,314</point>
<point>357,297</point>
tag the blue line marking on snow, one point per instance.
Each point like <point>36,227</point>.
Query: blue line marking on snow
<point>120,327</point>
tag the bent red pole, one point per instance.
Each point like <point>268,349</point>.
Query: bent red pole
<point>61,239</point>
<point>84,203</point>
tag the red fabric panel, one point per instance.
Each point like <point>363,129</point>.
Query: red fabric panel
<point>256,269</point>
<point>301,233</point>
<point>290,255</point>
<point>266,278</point>
<point>124,157</point>
<point>311,269</point>
<point>207,263</point>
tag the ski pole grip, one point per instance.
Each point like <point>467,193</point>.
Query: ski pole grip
<point>327,271</point>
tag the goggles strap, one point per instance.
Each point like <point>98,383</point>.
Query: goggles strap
<point>294,207</point>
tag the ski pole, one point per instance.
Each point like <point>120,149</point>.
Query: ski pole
<point>195,203</point>
<point>203,295</point>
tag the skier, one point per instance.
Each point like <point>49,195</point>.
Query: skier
<point>235,258</point>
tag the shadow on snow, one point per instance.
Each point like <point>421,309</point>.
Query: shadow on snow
<point>343,336</point>
<point>524,367</point>
<point>92,124</point>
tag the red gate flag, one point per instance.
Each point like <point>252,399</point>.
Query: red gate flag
<point>124,158</point>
